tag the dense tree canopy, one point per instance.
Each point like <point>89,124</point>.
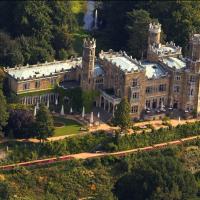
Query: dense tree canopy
<point>20,123</point>
<point>157,178</point>
<point>3,111</point>
<point>175,16</point>
<point>35,31</point>
<point>137,27</point>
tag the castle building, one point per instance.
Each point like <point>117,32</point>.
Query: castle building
<point>163,83</point>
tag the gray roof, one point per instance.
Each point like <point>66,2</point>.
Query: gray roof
<point>40,70</point>
<point>174,62</point>
<point>153,70</point>
<point>98,71</point>
<point>125,62</point>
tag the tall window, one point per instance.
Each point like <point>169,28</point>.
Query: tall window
<point>53,81</point>
<point>192,79</point>
<point>148,104</point>
<point>191,92</point>
<point>176,89</point>
<point>177,78</point>
<point>37,84</point>
<point>162,87</point>
<point>134,109</point>
<point>149,90</point>
<point>135,82</point>
<point>26,86</point>
<point>136,95</point>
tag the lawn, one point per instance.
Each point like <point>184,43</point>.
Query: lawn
<point>65,126</point>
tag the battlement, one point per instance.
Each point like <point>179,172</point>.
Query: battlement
<point>41,70</point>
<point>195,39</point>
<point>155,27</point>
<point>87,43</point>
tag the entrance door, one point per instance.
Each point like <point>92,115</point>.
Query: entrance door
<point>175,105</point>
<point>154,105</point>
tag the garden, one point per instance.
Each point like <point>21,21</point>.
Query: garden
<point>65,126</point>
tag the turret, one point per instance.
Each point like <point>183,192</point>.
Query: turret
<point>154,34</point>
<point>194,51</point>
<point>88,61</point>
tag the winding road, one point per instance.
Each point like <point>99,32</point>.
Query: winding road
<point>97,155</point>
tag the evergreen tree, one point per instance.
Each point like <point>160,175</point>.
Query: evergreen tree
<point>44,123</point>
<point>137,27</point>
<point>3,111</point>
<point>122,114</point>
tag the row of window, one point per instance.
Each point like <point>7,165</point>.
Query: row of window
<point>134,109</point>
<point>192,78</point>
<point>99,81</point>
<point>154,103</point>
<point>177,90</point>
<point>26,86</point>
<point>160,88</point>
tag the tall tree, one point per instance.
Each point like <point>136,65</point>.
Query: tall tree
<point>3,111</point>
<point>137,28</point>
<point>44,123</point>
<point>20,123</point>
<point>10,54</point>
<point>122,114</point>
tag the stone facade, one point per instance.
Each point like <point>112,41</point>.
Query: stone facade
<point>165,81</point>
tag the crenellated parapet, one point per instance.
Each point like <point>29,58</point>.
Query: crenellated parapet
<point>42,70</point>
<point>194,51</point>
<point>89,43</point>
<point>195,39</point>
<point>155,28</point>
<point>121,60</point>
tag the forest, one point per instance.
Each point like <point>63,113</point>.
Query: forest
<point>39,31</point>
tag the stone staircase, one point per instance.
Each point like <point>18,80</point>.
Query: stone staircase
<point>104,116</point>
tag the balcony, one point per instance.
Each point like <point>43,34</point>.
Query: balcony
<point>111,98</point>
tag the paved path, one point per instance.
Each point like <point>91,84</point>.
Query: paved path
<point>97,155</point>
<point>104,127</point>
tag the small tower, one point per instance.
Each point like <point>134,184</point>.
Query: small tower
<point>194,51</point>
<point>154,34</point>
<point>88,60</point>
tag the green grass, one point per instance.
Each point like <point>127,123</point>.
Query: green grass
<point>69,127</point>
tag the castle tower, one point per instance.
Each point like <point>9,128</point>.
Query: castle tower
<point>193,63</point>
<point>88,60</point>
<point>154,34</point>
<point>194,51</point>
